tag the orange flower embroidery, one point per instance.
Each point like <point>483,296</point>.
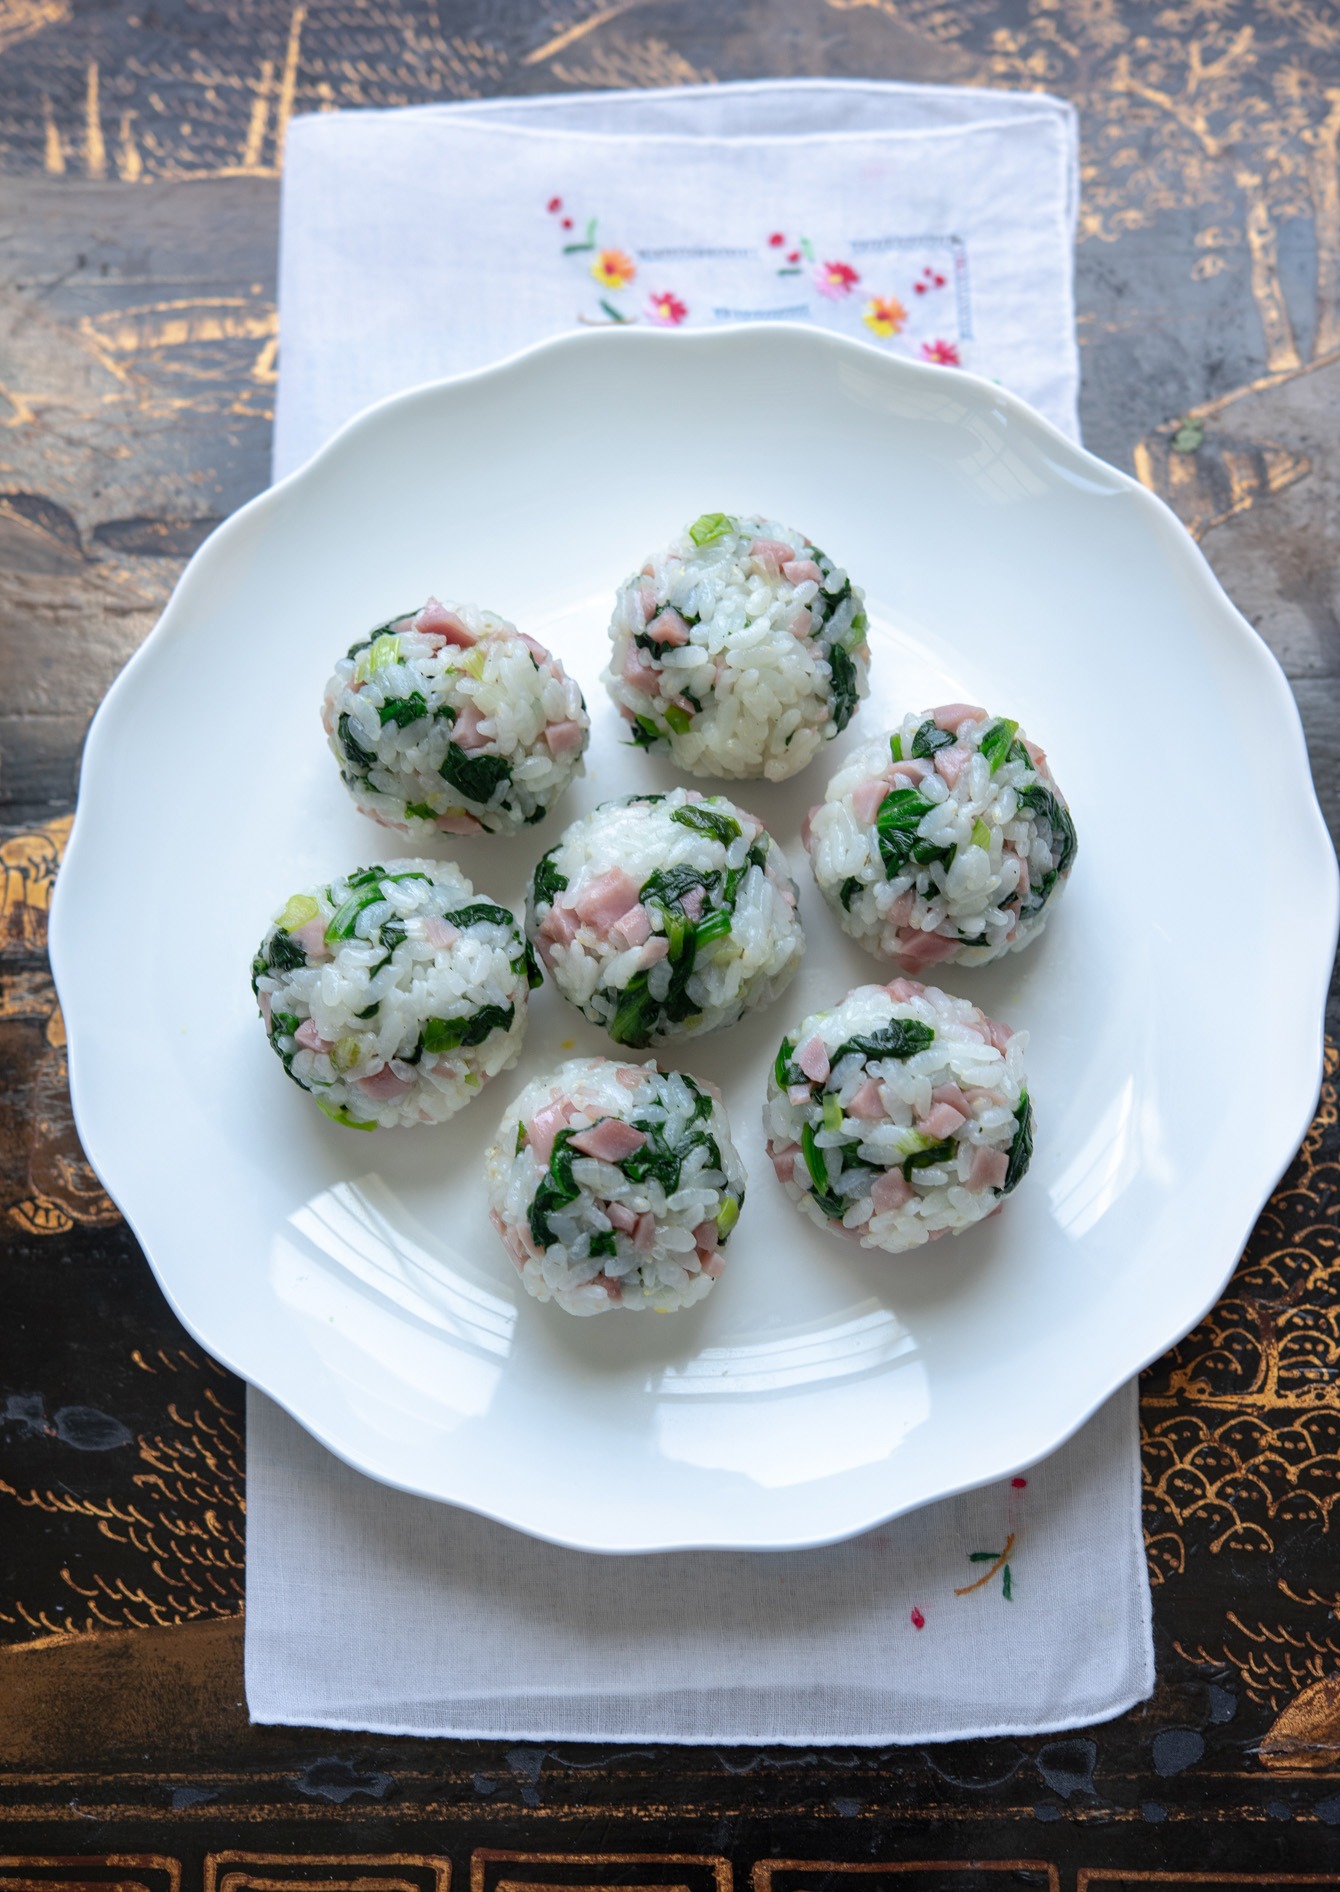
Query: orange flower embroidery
<point>614,268</point>
<point>885,315</point>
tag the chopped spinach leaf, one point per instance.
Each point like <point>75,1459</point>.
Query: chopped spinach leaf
<point>420,811</point>
<point>1021,1149</point>
<point>709,821</point>
<point>923,1159</point>
<point>900,1038</point>
<point>678,719</point>
<point>371,1011</point>
<point>832,1205</point>
<point>534,976</point>
<point>284,1024</point>
<point>446,1034</point>
<point>783,1067</point>
<point>997,740</point>
<point>929,738</point>
<point>848,891</point>
<point>403,710</point>
<point>900,814</point>
<point>643,733</point>
<point>477,777</point>
<point>479,911</point>
<point>1051,808</point>
<point>355,753</point>
<point>602,1245</point>
<point>340,1113</point>
<point>556,1189</point>
<point>845,693</point>
<point>896,746</point>
<point>713,926</point>
<point>283,953</point>
<point>520,1139</point>
<point>546,882</point>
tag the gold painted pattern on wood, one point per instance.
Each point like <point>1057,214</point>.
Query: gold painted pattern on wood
<point>315,1872</point>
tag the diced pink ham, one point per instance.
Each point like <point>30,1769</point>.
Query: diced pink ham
<point>644,1235</point>
<point>312,938</point>
<point>466,732</point>
<point>801,622</point>
<point>913,768</point>
<point>951,715</point>
<point>266,1000</point>
<point>621,1217</point>
<point>771,554</point>
<point>867,798</point>
<point>890,1190</point>
<point>630,1077</point>
<point>783,1160</point>
<point>537,650</point>
<point>1037,756</point>
<point>668,627</point>
<point>812,1057</point>
<point>563,738</point>
<point>439,933</point>
<point>798,1094</point>
<point>1000,1035</point>
<point>612,1287</point>
<point>606,899</point>
<point>714,1264</point>
<point>383,1085</point>
<point>901,990</point>
<point>459,824</point>
<point>941,1121</point>
<point>989,1100</point>
<point>808,823</point>
<point>653,949</point>
<point>544,1126</point>
<point>902,909</point>
<point>693,903</point>
<point>924,949</point>
<point>559,925</point>
<point>437,621</point>
<point>631,928</point>
<point>512,1240</point>
<point>309,1037</point>
<point>799,571</point>
<point>706,1238</point>
<point>951,1094</point>
<point>989,1168</point>
<point>951,762</point>
<point>867,1104</point>
<point>640,671</point>
<point>609,1141</point>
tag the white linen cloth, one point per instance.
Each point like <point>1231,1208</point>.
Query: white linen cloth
<point>415,244</point>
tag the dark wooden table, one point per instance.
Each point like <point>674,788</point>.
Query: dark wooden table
<point>140,144</point>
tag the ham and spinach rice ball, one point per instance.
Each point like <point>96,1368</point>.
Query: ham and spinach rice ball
<point>900,1116</point>
<point>450,720</point>
<point>740,648</point>
<point>392,994</point>
<point>615,1185</point>
<point>666,916</point>
<point>946,841</point>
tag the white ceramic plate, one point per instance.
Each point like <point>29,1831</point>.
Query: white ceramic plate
<point>1174,1003</point>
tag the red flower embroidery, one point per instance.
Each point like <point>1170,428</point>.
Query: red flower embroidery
<point>1018,1483</point>
<point>665,309</point>
<point>567,223</point>
<point>943,352</point>
<point>777,239</point>
<point>793,256</point>
<point>918,1620</point>
<point>555,203</point>
<point>919,288</point>
<point>835,280</point>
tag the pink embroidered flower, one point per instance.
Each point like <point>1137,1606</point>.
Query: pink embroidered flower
<point>885,315</point>
<point>567,223</point>
<point>555,203</point>
<point>835,280</point>
<point>918,1620</point>
<point>943,352</point>
<point>666,309</point>
<point>614,268</point>
<point>777,239</point>
<point>793,256</point>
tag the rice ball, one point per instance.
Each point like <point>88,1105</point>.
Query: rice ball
<point>740,649</point>
<point>393,995</point>
<point>946,841</point>
<point>450,720</point>
<point>900,1116</point>
<point>666,916</point>
<point>615,1185</point>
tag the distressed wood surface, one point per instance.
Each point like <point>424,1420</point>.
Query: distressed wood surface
<point>139,158</point>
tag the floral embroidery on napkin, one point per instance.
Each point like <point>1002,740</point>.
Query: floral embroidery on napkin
<point>909,293</point>
<point>999,1560</point>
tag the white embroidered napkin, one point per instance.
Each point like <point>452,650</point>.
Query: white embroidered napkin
<point>932,222</point>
